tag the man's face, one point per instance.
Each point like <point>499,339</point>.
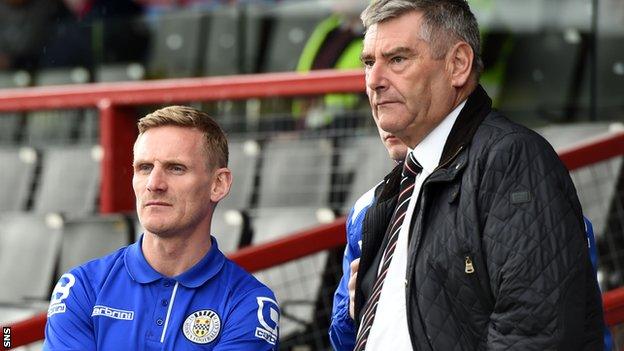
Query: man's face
<point>408,90</point>
<point>172,180</point>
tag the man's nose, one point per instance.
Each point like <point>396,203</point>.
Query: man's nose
<point>376,79</point>
<point>156,181</point>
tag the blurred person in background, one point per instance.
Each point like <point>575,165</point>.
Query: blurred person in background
<point>342,328</point>
<point>336,42</point>
<point>173,289</point>
<point>478,242</point>
<point>98,31</point>
<point>24,29</point>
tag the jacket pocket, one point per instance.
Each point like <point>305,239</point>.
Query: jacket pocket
<point>472,272</point>
<point>463,330</point>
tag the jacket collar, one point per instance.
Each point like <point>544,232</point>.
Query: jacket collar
<point>139,269</point>
<point>477,107</point>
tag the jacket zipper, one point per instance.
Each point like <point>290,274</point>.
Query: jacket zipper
<point>411,263</point>
<point>482,295</point>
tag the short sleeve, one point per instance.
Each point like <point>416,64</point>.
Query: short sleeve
<point>69,325</point>
<point>252,323</point>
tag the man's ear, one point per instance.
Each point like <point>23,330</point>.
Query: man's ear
<point>459,61</point>
<point>221,183</point>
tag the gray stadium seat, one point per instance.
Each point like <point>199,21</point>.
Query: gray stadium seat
<point>28,255</point>
<point>120,72</point>
<point>610,79</point>
<point>176,44</point>
<point>227,227</point>
<point>242,162</point>
<point>292,24</point>
<point>296,284</point>
<point>365,160</point>
<point>11,122</point>
<point>540,77</point>
<point>296,173</point>
<point>14,79</point>
<point>92,237</point>
<point>89,132</point>
<point>69,182</point>
<point>16,179</point>
<point>223,55</point>
<point>56,126</point>
<point>10,128</point>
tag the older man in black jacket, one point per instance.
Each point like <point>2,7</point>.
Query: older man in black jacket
<point>479,243</point>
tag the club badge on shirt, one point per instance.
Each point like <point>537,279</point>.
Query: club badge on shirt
<point>202,327</point>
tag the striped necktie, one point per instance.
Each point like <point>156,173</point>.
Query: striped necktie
<point>411,168</point>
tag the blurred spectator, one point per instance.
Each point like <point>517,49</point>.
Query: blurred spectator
<point>336,42</point>
<point>89,10</point>
<point>155,7</point>
<point>24,27</point>
<point>100,31</point>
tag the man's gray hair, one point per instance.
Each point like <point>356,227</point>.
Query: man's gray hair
<point>444,23</point>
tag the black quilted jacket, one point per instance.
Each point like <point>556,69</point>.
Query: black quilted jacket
<point>497,257</point>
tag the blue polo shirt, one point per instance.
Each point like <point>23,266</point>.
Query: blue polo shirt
<point>119,302</point>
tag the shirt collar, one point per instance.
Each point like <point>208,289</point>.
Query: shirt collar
<point>140,271</point>
<point>429,150</point>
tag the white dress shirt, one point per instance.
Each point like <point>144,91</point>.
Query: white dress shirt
<point>389,330</point>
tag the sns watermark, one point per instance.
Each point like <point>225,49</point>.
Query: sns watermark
<point>6,337</point>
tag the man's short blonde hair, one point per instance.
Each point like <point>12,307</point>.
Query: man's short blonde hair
<point>215,142</point>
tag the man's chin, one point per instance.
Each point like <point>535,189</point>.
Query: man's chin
<point>158,229</point>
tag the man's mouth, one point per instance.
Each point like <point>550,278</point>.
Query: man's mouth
<point>156,203</point>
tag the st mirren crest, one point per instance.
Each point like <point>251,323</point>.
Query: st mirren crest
<point>202,327</point>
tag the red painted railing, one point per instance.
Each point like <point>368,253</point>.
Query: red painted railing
<point>115,102</point>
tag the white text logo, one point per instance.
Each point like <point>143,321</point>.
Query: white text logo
<point>115,313</point>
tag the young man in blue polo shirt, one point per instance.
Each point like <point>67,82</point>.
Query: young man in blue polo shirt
<point>173,289</point>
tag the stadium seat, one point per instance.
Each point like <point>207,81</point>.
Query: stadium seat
<point>28,255</point>
<point>224,42</point>
<point>296,284</point>
<point>89,132</point>
<point>10,128</point>
<point>56,126</point>
<point>69,181</point>
<point>176,47</point>
<point>296,173</point>
<point>16,179</point>
<point>10,122</point>
<point>365,161</point>
<point>120,72</point>
<point>610,79</point>
<point>243,160</point>
<point>92,237</point>
<point>290,27</point>
<point>540,80</point>
<point>230,228</point>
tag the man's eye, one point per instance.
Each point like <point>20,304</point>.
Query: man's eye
<point>368,63</point>
<point>143,168</point>
<point>397,59</point>
<point>177,168</point>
